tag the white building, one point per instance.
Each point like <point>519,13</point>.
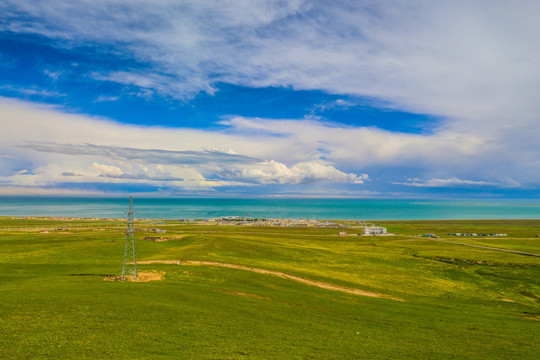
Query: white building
<point>374,230</point>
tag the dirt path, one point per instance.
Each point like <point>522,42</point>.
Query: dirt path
<point>318,284</point>
<point>489,248</point>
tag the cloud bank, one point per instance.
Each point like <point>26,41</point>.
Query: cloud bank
<point>249,152</point>
<point>93,154</point>
<point>474,64</point>
<point>465,59</point>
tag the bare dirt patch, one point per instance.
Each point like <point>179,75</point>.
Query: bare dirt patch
<point>299,279</point>
<point>141,277</point>
<point>174,262</point>
<point>170,238</point>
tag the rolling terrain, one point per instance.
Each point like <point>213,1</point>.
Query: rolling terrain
<point>241,292</point>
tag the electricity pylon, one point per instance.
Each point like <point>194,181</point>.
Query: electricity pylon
<point>130,235</point>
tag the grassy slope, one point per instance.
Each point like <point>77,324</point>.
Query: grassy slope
<point>459,302</point>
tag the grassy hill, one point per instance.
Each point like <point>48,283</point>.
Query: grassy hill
<point>437,300</point>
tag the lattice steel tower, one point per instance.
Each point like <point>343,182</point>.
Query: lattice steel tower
<point>130,237</point>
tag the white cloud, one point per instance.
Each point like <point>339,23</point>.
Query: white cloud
<point>54,75</point>
<point>103,98</point>
<point>273,172</point>
<point>107,170</point>
<point>468,59</point>
<point>84,150</point>
<point>29,190</point>
<point>472,62</point>
<point>148,84</point>
<point>249,152</point>
<point>363,146</point>
<point>32,91</point>
<point>451,182</point>
<point>336,104</point>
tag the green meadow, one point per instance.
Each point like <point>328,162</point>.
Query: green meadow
<point>430,299</point>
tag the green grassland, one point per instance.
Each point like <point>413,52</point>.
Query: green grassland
<point>443,300</point>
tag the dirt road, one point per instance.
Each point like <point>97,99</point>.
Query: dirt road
<point>318,284</point>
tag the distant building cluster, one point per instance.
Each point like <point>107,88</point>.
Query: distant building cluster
<point>475,234</point>
<point>299,223</point>
<point>367,229</point>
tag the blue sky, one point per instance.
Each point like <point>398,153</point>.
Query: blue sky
<point>270,98</point>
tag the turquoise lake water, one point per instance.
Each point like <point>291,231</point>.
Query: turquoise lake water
<point>190,208</point>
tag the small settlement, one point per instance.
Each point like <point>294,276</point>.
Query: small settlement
<point>370,230</point>
<point>299,223</point>
<point>475,234</point>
